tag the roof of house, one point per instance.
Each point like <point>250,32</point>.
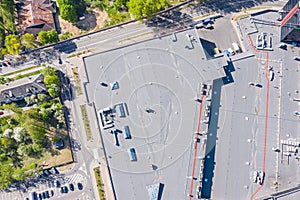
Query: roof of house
<point>18,89</point>
<point>36,15</point>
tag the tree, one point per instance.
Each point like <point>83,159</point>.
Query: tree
<point>31,99</point>
<point>6,176</point>
<point>43,36</point>
<point>68,13</point>
<point>12,43</point>
<point>46,113</point>
<point>49,80</point>
<point>65,36</point>
<point>28,41</point>
<point>18,133</point>
<point>53,90</point>
<point>19,174</point>
<point>140,8</point>
<point>42,97</point>
<point>52,36</point>
<point>36,130</point>
<point>48,71</point>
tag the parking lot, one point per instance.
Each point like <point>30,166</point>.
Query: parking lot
<point>51,183</point>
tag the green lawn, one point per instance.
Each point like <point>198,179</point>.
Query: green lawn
<point>77,81</point>
<point>99,183</point>
<point>86,122</point>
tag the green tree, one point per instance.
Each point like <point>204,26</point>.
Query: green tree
<point>65,36</point>
<point>19,174</point>
<point>52,36</point>
<point>28,41</point>
<point>43,36</point>
<point>36,130</point>
<point>140,8</point>
<point>42,97</point>
<point>53,90</point>
<point>68,13</point>
<point>31,99</point>
<point>13,107</point>
<point>49,80</point>
<point>12,43</point>
<point>6,176</point>
<point>48,71</point>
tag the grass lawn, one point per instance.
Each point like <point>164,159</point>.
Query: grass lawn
<point>48,160</point>
<point>77,81</point>
<point>99,183</point>
<point>86,122</point>
<point>53,157</point>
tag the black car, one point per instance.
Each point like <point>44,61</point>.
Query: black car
<point>46,172</point>
<point>51,193</point>
<point>56,184</point>
<point>47,194</point>
<point>62,190</point>
<point>80,186</point>
<point>71,186</point>
<point>65,189</point>
<point>44,195</point>
<point>39,197</point>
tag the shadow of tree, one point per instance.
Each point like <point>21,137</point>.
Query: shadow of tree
<point>88,23</point>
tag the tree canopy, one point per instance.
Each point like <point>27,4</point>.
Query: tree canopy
<point>12,43</point>
<point>48,37</point>
<point>28,40</point>
<point>141,8</point>
<point>68,12</point>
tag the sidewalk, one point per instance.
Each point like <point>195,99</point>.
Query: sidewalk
<point>95,142</point>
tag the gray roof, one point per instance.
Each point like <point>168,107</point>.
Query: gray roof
<point>18,89</point>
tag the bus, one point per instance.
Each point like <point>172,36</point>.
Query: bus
<point>127,134</point>
<point>132,154</point>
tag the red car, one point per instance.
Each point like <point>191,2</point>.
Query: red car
<point>1,112</point>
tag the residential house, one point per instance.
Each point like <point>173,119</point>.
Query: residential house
<point>36,15</point>
<point>19,89</point>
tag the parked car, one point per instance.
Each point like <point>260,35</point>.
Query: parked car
<point>71,186</point>
<point>59,144</point>
<point>51,193</point>
<point>39,196</point>
<point>46,172</point>
<point>47,194</point>
<point>56,184</point>
<point>66,189</point>
<point>80,186</point>
<point>1,112</point>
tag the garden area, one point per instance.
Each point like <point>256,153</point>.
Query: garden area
<point>27,135</point>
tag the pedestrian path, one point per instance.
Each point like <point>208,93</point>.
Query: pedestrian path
<point>75,178</point>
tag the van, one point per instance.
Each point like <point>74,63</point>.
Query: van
<point>127,134</point>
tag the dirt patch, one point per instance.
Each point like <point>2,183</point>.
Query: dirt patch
<point>94,20</point>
